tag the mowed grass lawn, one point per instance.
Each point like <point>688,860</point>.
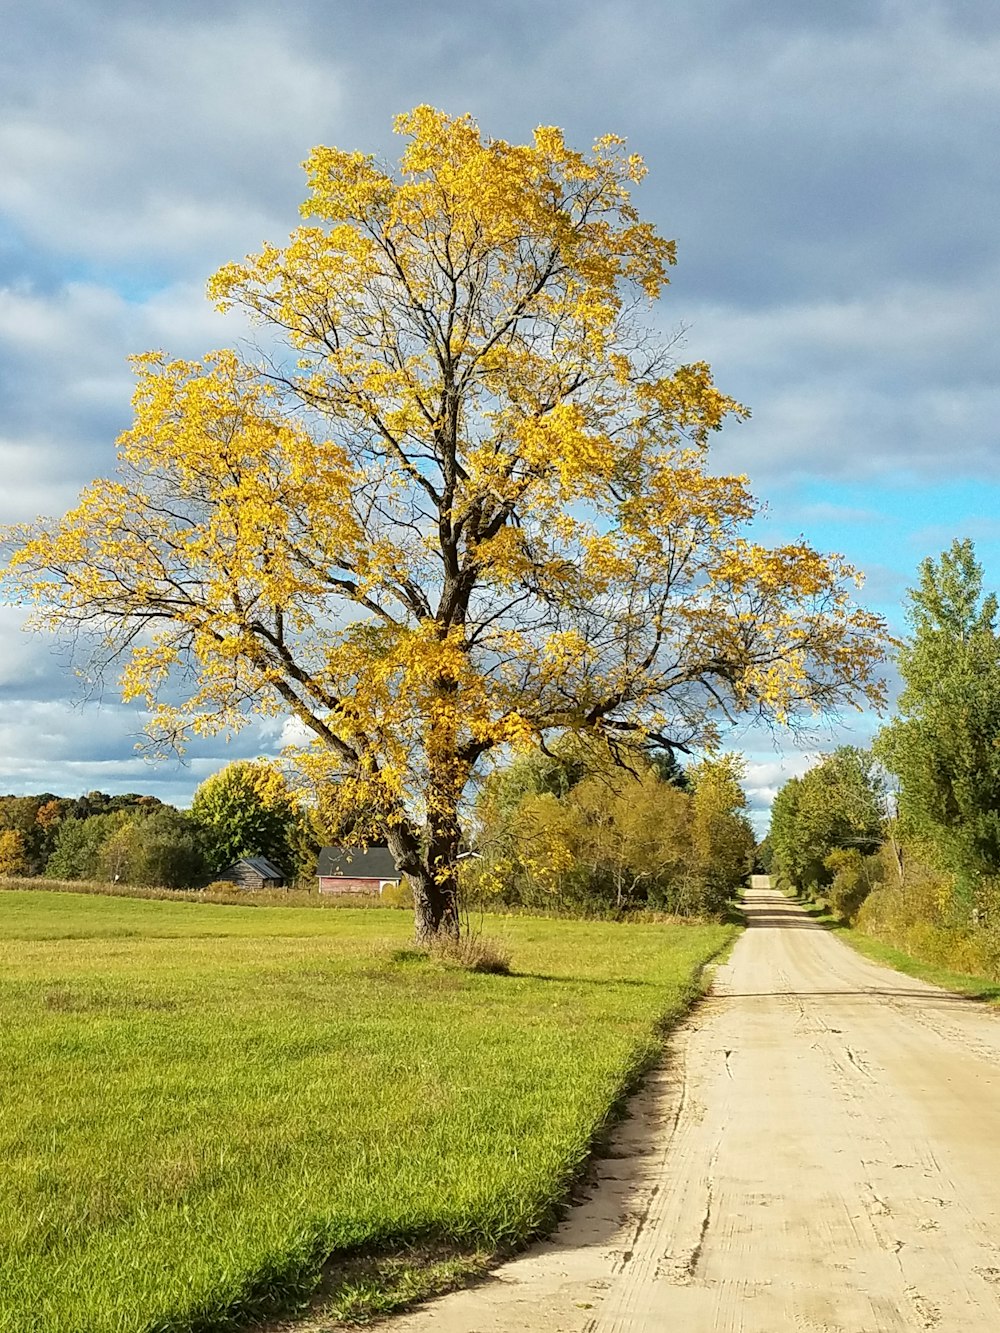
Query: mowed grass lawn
<point>199,1104</point>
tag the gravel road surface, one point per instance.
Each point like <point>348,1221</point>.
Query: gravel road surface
<point>819,1154</point>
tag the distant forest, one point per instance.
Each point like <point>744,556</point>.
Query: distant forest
<point>99,836</point>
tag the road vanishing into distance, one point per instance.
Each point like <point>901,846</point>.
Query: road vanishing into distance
<point>819,1154</point>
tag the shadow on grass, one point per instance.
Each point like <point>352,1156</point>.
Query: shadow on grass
<point>355,1286</point>
<point>359,1285</point>
<point>407,957</point>
<point>395,1273</point>
<point>581,981</point>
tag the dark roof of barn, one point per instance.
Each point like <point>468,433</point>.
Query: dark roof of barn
<point>357,863</point>
<point>261,865</point>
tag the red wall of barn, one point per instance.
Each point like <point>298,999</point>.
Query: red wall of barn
<point>334,884</point>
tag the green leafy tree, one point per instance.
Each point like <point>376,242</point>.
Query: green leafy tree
<point>76,851</point>
<point>101,803</point>
<point>668,767</point>
<point>788,865</point>
<point>638,840</point>
<point>764,856</point>
<point>569,826</point>
<point>163,848</point>
<point>838,804</point>
<point>246,809</point>
<point>616,839</point>
<point>854,877</point>
<point>944,745</point>
<point>552,771</point>
<point>38,819</point>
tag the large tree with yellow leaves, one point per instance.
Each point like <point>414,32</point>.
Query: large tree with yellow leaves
<point>470,506</point>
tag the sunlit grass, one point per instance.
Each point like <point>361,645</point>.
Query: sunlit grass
<point>964,983</point>
<point>924,969</point>
<point>200,1103</point>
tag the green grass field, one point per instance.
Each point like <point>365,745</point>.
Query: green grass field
<point>201,1103</point>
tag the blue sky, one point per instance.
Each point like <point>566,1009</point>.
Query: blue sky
<point>828,171</point>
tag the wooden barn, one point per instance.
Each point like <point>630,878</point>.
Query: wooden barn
<point>356,870</point>
<point>253,872</point>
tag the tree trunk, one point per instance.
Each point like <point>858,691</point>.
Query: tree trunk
<point>897,855</point>
<point>430,865</point>
<point>435,906</point>
<point>435,889</point>
<point>431,868</point>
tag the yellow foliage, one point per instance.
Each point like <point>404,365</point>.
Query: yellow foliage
<point>471,506</point>
<point>13,853</point>
<point>722,840</point>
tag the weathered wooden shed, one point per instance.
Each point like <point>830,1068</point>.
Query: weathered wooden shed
<point>356,869</point>
<point>254,872</point>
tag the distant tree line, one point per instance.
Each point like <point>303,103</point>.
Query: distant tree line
<point>570,829</point>
<point>246,809</point>
<point>905,839</point>
<point>563,827</point>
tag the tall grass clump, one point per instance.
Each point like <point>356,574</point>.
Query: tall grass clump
<point>219,892</point>
<point>473,952</point>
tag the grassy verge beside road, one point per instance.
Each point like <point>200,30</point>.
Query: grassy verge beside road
<point>201,1104</point>
<point>977,988</point>
<point>962,983</point>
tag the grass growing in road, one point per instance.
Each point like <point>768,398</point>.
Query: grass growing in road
<point>199,1104</point>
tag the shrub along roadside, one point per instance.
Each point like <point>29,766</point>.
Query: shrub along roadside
<point>911,924</point>
<point>199,1104</point>
<point>921,914</point>
<point>570,830</point>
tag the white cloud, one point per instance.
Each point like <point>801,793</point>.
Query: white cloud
<point>173,139</point>
<point>52,744</point>
<point>902,379</point>
<point>67,386</point>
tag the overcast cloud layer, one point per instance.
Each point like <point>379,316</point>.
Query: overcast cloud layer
<point>829,172</point>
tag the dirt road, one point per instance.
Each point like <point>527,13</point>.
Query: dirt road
<point>821,1154</point>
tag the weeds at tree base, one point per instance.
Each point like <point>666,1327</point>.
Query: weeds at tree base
<point>472,953</point>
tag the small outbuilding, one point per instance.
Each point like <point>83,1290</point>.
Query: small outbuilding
<point>356,869</point>
<point>253,872</point>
